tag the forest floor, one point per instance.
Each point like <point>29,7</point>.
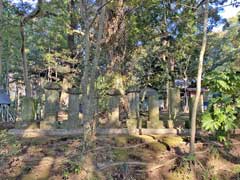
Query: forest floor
<point>118,157</point>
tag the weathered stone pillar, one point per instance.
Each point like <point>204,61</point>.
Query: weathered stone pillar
<point>174,105</point>
<point>133,107</point>
<point>133,102</point>
<point>28,109</point>
<point>174,102</point>
<point>73,108</point>
<point>51,108</point>
<point>28,112</point>
<point>153,110</point>
<point>114,102</point>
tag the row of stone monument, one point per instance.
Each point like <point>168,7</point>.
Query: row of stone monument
<point>52,98</point>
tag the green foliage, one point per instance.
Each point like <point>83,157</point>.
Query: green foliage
<point>72,166</point>
<point>9,146</point>
<point>221,116</point>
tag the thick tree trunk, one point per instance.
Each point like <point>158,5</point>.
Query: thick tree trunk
<point>199,77</point>
<point>1,44</point>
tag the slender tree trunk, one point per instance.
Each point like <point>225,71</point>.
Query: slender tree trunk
<point>1,44</point>
<point>89,74</point>
<point>73,26</point>
<point>7,63</point>
<point>199,77</point>
<point>23,21</point>
<point>28,92</point>
<point>92,93</point>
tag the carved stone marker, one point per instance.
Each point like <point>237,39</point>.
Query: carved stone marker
<point>52,94</point>
<point>133,102</point>
<point>153,110</point>
<point>174,106</point>
<point>174,102</point>
<point>114,102</point>
<point>28,113</point>
<point>73,108</point>
<point>133,107</point>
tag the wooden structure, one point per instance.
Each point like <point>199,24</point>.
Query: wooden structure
<point>6,116</point>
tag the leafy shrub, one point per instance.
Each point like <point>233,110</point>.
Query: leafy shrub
<point>223,110</point>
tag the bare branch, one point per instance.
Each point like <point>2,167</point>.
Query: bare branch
<point>33,14</point>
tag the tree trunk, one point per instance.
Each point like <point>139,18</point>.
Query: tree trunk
<point>73,26</point>
<point>199,77</point>
<point>1,44</point>
<point>88,79</point>
<point>23,21</point>
<point>28,92</point>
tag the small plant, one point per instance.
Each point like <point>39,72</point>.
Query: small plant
<point>9,145</point>
<point>214,152</point>
<point>183,170</point>
<point>236,169</point>
<point>221,116</point>
<point>65,175</point>
<point>71,167</point>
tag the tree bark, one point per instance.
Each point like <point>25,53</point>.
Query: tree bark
<point>199,77</point>
<point>1,44</point>
<point>24,61</point>
<point>23,21</point>
<point>73,26</point>
<point>89,74</point>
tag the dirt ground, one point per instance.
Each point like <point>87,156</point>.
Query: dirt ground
<point>116,158</point>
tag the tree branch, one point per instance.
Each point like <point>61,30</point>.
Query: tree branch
<point>33,14</point>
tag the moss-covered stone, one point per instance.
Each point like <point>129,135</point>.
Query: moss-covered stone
<point>156,146</point>
<point>120,154</point>
<point>51,108</point>
<point>114,112</point>
<point>141,154</point>
<point>121,140</point>
<point>134,139</point>
<point>73,111</point>
<point>133,104</point>
<point>172,141</point>
<point>28,109</point>
<point>155,124</point>
<point>174,102</point>
<point>146,139</point>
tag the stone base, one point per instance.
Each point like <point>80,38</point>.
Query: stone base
<point>26,125</point>
<point>49,122</point>
<point>131,123</point>
<point>71,124</point>
<point>28,109</point>
<point>47,125</point>
<point>116,124</point>
<point>170,124</point>
<point>155,125</point>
